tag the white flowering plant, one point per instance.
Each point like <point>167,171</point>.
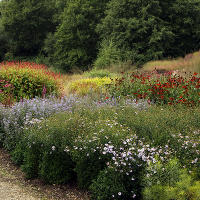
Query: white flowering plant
<point>105,145</point>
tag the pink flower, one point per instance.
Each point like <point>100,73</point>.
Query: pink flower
<point>7,85</point>
<point>44,91</point>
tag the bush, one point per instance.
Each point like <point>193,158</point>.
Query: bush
<point>108,185</point>
<point>194,190</point>
<point>114,184</point>
<point>80,138</point>
<point>166,181</point>
<point>160,173</point>
<point>90,85</point>
<point>44,154</point>
<point>173,129</point>
<point>56,167</point>
<point>88,147</point>
<point>17,153</point>
<point>31,158</point>
<point>108,55</point>
<point>30,80</point>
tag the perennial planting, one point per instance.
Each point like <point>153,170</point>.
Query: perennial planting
<point>89,85</point>
<point>21,80</point>
<point>167,88</point>
<point>126,144</point>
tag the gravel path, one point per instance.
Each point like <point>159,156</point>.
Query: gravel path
<point>10,191</point>
<point>14,186</point>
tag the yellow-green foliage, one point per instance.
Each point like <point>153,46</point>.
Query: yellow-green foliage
<point>30,80</point>
<point>184,189</point>
<point>85,86</point>
<point>194,191</point>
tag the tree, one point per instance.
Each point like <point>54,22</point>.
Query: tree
<point>3,36</point>
<point>27,23</point>
<point>184,19</point>
<point>3,42</point>
<point>75,37</point>
<point>152,29</point>
<point>59,6</point>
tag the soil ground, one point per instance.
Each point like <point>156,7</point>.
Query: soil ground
<point>14,185</point>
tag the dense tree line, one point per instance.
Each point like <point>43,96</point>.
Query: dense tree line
<point>82,33</point>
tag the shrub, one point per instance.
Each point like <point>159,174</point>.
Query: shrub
<point>86,86</point>
<point>108,55</point>
<point>30,80</point>
<point>82,136</point>
<point>88,147</point>
<point>17,153</point>
<point>109,185</point>
<point>27,112</point>
<point>175,129</point>
<point>159,173</point>
<point>44,155</point>
<point>194,191</point>
<point>31,158</point>
<point>56,167</point>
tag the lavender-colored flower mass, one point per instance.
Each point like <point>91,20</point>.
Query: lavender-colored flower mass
<point>31,111</point>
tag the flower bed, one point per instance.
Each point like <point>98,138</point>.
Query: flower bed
<point>106,147</point>
<point>89,85</point>
<point>167,88</point>
<point>19,80</point>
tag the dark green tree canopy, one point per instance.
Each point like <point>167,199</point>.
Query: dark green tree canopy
<point>27,22</point>
<point>76,38</point>
<point>152,29</point>
<point>3,42</point>
<point>68,33</point>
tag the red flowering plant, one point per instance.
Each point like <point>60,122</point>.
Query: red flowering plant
<point>30,80</point>
<point>164,88</point>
